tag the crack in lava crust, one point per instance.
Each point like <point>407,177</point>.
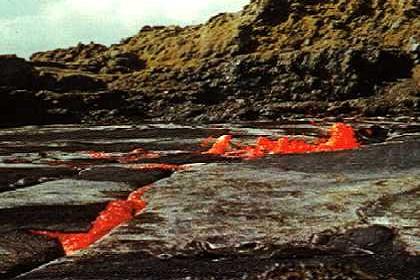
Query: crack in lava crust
<point>342,137</point>
<point>116,213</point>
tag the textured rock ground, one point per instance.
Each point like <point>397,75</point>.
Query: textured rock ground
<point>52,180</point>
<point>275,58</point>
<point>22,251</point>
<point>344,215</point>
<point>341,215</point>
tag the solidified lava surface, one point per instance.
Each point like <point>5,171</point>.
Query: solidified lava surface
<point>342,137</point>
<point>295,200</point>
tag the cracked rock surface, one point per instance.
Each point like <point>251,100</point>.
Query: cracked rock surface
<point>339,215</point>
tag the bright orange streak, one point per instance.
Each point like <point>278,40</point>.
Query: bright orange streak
<point>116,213</point>
<point>206,142</point>
<point>342,137</point>
<point>136,155</point>
<point>98,155</point>
<point>222,145</point>
<point>133,156</point>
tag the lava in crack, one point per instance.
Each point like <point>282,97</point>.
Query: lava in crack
<point>342,137</point>
<point>116,213</point>
<point>132,156</point>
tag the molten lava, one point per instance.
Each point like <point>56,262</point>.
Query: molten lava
<point>98,155</point>
<point>222,145</point>
<point>342,137</point>
<point>137,155</point>
<point>117,212</point>
<point>132,156</point>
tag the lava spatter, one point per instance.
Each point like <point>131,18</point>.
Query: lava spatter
<point>342,137</point>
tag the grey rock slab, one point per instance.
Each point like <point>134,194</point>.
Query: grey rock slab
<point>63,192</point>
<point>69,205</point>
<point>130,176</point>
<point>13,177</point>
<point>110,139</point>
<point>374,161</point>
<point>116,134</point>
<point>227,206</point>
<point>135,266</point>
<point>401,211</point>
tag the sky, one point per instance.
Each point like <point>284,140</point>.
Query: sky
<point>28,26</point>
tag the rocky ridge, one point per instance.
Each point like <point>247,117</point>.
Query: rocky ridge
<point>274,59</point>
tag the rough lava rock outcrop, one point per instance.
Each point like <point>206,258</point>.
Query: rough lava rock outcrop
<point>15,72</point>
<point>273,59</point>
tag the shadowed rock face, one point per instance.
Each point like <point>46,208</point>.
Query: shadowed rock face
<point>15,72</point>
<point>344,215</point>
<point>275,58</point>
<point>21,251</point>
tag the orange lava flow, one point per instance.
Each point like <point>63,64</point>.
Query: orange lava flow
<point>98,155</point>
<point>132,156</point>
<point>136,155</point>
<point>342,137</point>
<point>116,213</point>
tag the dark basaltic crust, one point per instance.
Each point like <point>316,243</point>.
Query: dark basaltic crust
<point>25,252</point>
<point>265,263</point>
<point>371,252</point>
<point>60,217</point>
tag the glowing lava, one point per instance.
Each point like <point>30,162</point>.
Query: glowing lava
<point>116,213</point>
<point>136,155</point>
<point>98,155</point>
<point>342,137</point>
<point>132,156</point>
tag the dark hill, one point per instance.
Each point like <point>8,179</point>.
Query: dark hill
<point>274,59</point>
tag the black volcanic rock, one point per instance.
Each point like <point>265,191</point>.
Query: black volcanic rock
<point>274,59</point>
<point>20,251</point>
<point>15,72</point>
<point>78,82</point>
